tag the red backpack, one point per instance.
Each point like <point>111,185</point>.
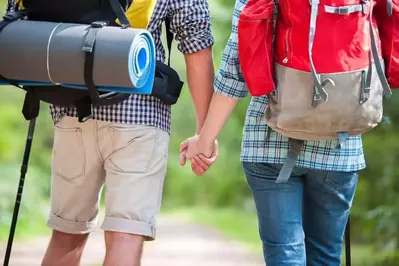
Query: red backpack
<point>387,16</point>
<point>323,73</point>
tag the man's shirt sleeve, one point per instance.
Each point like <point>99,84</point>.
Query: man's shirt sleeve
<point>229,79</point>
<point>191,23</point>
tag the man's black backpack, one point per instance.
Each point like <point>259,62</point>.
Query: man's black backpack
<point>97,13</point>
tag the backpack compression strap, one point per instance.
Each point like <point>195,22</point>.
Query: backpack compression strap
<point>84,105</point>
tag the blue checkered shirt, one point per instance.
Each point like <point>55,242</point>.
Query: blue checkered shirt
<point>320,155</point>
<point>190,22</point>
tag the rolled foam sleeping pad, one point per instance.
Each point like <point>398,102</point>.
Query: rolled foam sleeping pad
<point>47,53</point>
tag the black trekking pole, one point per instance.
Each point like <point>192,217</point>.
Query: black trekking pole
<point>24,169</point>
<point>348,243</point>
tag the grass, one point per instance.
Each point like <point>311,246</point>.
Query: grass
<point>26,229</point>
<point>243,227</point>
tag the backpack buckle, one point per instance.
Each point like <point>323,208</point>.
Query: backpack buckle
<point>343,10</point>
<point>13,16</point>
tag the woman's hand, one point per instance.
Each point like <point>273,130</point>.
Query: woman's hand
<point>201,155</point>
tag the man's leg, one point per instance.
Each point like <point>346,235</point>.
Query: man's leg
<point>77,178</point>
<point>123,248</point>
<point>136,161</point>
<point>64,249</point>
<point>328,198</point>
<point>279,209</point>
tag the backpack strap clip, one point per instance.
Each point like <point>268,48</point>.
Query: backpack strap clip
<point>14,16</point>
<point>91,35</point>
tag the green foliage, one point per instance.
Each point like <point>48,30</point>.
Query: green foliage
<point>33,211</point>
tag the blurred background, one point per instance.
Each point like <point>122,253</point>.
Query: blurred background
<point>220,199</point>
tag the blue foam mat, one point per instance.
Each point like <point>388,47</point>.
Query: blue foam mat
<point>142,76</point>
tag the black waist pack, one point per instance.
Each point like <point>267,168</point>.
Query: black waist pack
<point>97,13</point>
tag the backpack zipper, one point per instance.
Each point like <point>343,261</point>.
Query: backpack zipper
<point>287,46</point>
<point>287,34</point>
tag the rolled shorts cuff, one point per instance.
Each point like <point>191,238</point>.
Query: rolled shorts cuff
<point>122,225</point>
<point>70,227</point>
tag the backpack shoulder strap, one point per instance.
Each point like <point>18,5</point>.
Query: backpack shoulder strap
<point>120,13</point>
<point>11,6</point>
<point>169,39</point>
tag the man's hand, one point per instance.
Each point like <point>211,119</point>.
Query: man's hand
<point>202,156</point>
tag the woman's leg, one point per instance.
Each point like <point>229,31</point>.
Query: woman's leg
<point>328,198</point>
<point>279,210</point>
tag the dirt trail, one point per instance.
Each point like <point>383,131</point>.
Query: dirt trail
<point>178,243</point>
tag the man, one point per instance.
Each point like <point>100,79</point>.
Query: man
<point>302,221</point>
<point>125,147</point>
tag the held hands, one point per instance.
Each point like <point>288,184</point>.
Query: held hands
<point>201,155</point>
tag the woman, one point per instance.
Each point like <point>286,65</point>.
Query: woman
<point>301,221</point>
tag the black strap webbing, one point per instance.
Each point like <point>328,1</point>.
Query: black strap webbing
<point>120,13</point>
<point>348,243</point>
<point>169,39</point>
<point>31,106</point>
<point>88,48</point>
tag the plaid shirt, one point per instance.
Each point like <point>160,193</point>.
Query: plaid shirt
<point>191,23</point>
<point>321,155</point>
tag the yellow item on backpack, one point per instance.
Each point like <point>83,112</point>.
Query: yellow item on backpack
<point>139,13</point>
<point>19,4</point>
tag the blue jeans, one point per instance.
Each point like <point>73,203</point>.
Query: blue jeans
<point>301,222</point>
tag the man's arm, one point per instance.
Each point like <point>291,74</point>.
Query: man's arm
<point>200,77</point>
<point>191,24</point>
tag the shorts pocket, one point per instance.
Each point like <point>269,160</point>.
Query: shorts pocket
<point>132,148</point>
<point>69,160</point>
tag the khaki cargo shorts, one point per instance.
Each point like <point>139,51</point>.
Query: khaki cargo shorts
<point>131,161</point>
